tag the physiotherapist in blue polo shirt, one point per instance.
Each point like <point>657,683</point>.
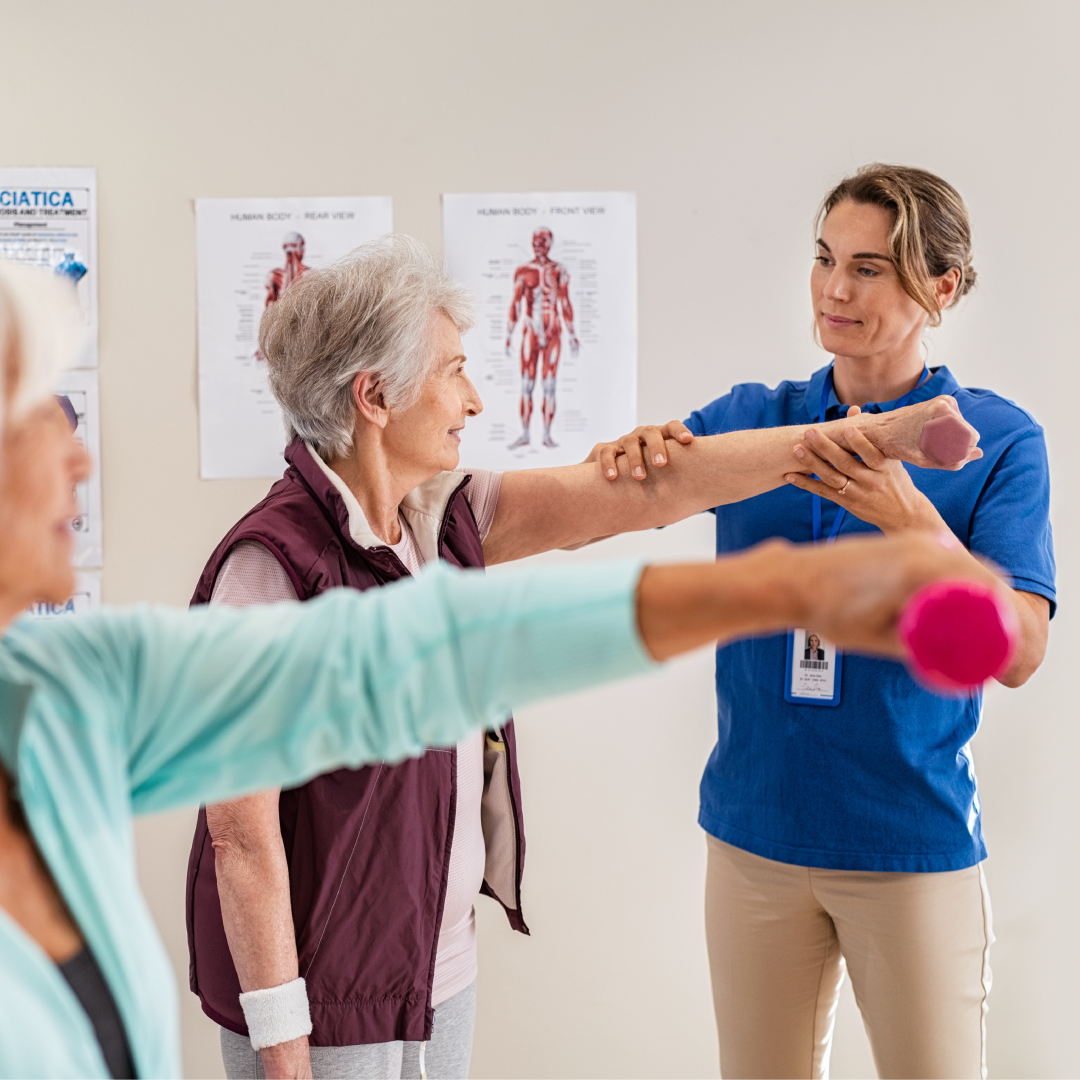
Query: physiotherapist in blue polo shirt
<point>840,801</point>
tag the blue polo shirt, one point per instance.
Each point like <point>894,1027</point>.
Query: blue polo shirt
<point>883,781</point>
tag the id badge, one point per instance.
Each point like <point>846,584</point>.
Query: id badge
<point>813,669</point>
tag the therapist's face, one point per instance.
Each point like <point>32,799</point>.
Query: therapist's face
<point>40,464</point>
<point>860,308</point>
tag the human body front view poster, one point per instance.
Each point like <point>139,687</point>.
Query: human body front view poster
<point>249,251</point>
<point>554,351</point>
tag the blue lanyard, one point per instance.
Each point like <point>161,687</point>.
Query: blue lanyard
<point>841,512</point>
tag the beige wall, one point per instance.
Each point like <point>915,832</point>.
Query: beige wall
<point>728,120</point>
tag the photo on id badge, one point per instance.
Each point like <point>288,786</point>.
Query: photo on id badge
<point>813,669</point>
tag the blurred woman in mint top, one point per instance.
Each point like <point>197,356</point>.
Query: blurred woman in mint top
<point>853,832</point>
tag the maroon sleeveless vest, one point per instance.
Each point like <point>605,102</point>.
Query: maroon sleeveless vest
<point>368,849</point>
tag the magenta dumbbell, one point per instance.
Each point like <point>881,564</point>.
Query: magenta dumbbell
<point>958,634</point>
<point>946,440</point>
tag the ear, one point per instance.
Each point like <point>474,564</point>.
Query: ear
<point>368,398</point>
<point>946,287</point>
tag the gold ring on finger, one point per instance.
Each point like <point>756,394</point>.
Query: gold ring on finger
<point>845,487</point>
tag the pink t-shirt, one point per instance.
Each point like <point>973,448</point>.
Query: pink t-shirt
<point>252,575</point>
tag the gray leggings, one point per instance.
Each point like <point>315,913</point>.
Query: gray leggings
<point>446,1056</point>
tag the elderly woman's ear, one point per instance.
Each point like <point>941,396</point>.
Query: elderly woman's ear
<point>368,398</point>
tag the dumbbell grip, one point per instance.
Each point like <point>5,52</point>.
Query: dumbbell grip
<point>957,634</point>
<point>946,440</point>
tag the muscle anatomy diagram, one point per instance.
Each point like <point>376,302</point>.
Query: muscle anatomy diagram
<point>556,328</point>
<point>250,252</point>
<point>281,277</point>
<point>542,304</point>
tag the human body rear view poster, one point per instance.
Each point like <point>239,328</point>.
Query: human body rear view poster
<point>554,351</point>
<point>248,252</point>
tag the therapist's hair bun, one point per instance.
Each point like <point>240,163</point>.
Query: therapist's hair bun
<point>931,232</point>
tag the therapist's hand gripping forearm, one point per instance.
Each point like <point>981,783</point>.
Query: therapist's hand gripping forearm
<point>881,492</point>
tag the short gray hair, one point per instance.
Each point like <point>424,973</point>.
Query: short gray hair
<point>370,311</point>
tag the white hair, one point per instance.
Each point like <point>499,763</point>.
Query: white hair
<point>371,311</point>
<point>41,333</point>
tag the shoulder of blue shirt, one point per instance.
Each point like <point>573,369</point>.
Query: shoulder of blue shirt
<point>744,400</point>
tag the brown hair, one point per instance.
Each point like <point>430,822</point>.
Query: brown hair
<point>931,231</point>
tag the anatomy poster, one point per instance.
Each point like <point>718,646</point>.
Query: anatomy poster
<point>48,218</point>
<point>249,251</point>
<point>81,388</point>
<point>554,351</point>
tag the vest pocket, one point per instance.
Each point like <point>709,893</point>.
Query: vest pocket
<point>498,823</point>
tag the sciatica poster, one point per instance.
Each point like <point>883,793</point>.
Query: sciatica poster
<point>48,218</point>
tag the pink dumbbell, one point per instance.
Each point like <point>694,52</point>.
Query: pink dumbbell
<point>958,634</point>
<point>946,440</point>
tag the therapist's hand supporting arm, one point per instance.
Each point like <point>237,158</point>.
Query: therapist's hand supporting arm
<point>881,492</point>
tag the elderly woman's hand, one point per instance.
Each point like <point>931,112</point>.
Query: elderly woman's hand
<point>645,441</point>
<point>931,434</point>
<point>876,489</point>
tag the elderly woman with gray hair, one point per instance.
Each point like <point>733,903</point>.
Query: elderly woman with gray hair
<point>362,881</point>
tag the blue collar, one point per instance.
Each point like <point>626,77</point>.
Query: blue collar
<point>941,381</point>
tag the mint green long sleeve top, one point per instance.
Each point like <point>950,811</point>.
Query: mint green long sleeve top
<point>145,709</point>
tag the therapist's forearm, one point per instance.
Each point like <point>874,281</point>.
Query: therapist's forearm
<point>1033,614</point>
<point>1033,631</point>
<point>1032,610</point>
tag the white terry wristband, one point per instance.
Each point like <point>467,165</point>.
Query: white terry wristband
<point>277,1015</point>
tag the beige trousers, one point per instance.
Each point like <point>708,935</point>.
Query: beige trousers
<point>917,947</point>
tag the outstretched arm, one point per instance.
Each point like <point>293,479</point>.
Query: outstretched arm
<point>542,509</point>
<point>854,590</point>
<point>214,703</point>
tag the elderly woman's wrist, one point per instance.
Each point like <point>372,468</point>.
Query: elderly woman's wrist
<point>277,1014</point>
